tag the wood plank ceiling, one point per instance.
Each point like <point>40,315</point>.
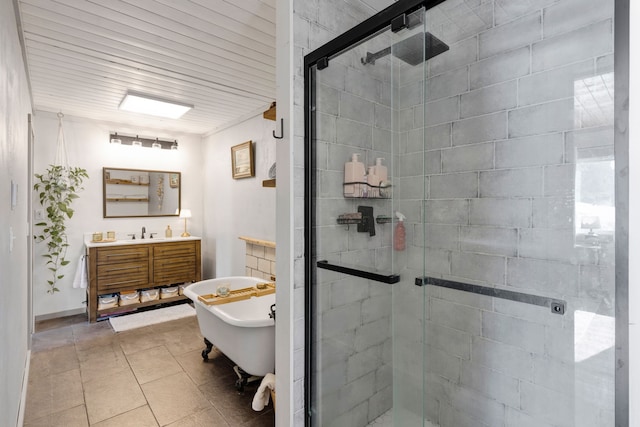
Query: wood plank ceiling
<point>83,55</point>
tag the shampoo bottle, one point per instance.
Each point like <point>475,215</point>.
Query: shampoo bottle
<point>381,170</point>
<point>168,232</point>
<point>353,174</point>
<point>400,234</point>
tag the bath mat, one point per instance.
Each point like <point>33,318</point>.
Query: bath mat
<point>151,317</point>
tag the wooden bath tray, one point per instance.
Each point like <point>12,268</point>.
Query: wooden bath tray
<point>237,295</point>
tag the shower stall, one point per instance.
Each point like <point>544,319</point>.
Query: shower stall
<point>493,302</point>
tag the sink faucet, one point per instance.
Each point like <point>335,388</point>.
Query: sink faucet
<point>144,230</point>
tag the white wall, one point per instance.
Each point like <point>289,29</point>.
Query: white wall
<point>15,106</point>
<point>88,147</point>
<point>236,207</point>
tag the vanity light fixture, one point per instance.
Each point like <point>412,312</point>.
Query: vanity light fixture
<point>185,213</point>
<point>148,104</point>
<point>136,141</point>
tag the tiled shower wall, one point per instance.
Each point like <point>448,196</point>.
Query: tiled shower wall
<point>518,114</point>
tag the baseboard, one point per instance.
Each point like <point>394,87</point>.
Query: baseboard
<point>61,314</point>
<point>23,396</point>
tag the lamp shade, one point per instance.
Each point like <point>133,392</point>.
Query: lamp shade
<point>185,213</point>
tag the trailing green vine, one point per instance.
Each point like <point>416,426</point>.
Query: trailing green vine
<point>57,188</point>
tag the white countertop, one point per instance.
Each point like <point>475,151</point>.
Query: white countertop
<point>122,242</point>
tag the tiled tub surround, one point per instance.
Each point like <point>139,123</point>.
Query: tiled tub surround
<point>498,147</point>
<point>260,258</point>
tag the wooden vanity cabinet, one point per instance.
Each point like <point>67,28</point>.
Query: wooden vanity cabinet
<point>115,269</point>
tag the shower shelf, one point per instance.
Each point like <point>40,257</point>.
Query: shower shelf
<point>379,220</point>
<point>360,271</point>
<point>384,191</point>
<point>349,221</point>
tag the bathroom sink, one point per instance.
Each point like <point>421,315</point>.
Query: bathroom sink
<point>145,240</point>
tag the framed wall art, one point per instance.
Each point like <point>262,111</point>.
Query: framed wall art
<point>242,163</point>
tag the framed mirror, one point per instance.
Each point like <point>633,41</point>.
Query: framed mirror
<point>140,193</point>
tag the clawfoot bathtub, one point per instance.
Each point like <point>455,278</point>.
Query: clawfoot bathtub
<point>242,330</point>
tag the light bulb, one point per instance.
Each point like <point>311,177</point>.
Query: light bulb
<point>115,139</point>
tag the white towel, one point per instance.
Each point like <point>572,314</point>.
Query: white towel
<point>262,396</point>
<point>80,281</point>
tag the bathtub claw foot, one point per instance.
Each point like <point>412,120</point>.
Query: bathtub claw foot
<point>206,351</point>
<point>243,378</point>
<point>240,383</point>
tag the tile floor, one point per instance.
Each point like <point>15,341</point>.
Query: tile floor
<point>87,375</point>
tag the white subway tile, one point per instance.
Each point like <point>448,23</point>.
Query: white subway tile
<point>489,99</point>
<point>492,384</point>
<point>518,33</point>
<point>511,183</point>
<point>535,150</point>
<point>456,316</point>
<point>477,267</point>
<point>499,68</point>
<point>510,360</point>
<point>555,116</point>
<point>475,157</point>
<point>356,108</point>
<point>489,240</point>
<point>490,127</point>
<point>501,212</point>
<point>251,262</point>
<point>520,333</point>
<point>454,186</point>
<point>566,16</point>
<point>587,42</point>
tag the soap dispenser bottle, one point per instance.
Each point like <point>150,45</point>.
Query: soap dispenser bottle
<point>381,170</point>
<point>168,232</point>
<point>353,175</point>
<point>400,234</point>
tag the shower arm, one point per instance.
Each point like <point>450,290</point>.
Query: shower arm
<point>371,58</point>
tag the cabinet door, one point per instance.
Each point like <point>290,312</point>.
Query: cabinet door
<point>174,250</point>
<point>167,271</point>
<point>122,254</point>
<point>116,277</point>
<point>174,263</point>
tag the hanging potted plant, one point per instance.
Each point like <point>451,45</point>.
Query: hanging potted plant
<point>57,188</point>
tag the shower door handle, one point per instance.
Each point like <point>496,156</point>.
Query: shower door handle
<point>557,306</point>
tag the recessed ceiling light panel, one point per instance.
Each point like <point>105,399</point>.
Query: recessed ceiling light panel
<point>147,104</point>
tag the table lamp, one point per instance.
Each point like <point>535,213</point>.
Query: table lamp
<point>185,213</point>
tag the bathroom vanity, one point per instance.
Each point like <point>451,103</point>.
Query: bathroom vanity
<point>139,264</point>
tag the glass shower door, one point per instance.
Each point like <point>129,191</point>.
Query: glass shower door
<point>366,311</point>
<point>519,216</point>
